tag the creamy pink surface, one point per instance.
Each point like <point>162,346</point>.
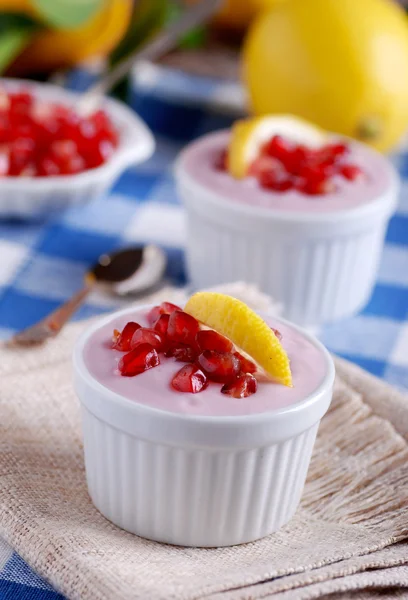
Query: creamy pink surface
<point>198,162</point>
<point>153,387</point>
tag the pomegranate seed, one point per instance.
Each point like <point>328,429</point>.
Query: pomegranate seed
<point>153,315</point>
<point>72,165</point>
<point>278,148</point>
<point>21,152</point>
<point>336,150</point>
<point>298,157</point>
<point>181,353</point>
<point>182,328</point>
<point>242,387</point>
<point>47,167</point>
<point>277,333</point>
<point>211,340</point>
<point>220,163</point>
<point>144,335</point>
<point>190,378</point>
<point>99,154</point>
<point>4,163</point>
<point>265,163</point>
<point>49,139</point>
<point>138,360</point>
<point>168,307</point>
<point>165,308</point>
<point>247,366</point>
<point>62,149</point>
<point>123,340</point>
<point>316,188</point>
<point>277,181</point>
<point>219,366</point>
<point>162,324</point>
<point>351,172</point>
<point>313,173</point>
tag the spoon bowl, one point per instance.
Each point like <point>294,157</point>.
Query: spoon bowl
<point>135,269</point>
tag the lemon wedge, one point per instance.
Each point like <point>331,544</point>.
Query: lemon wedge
<point>249,135</point>
<point>247,330</point>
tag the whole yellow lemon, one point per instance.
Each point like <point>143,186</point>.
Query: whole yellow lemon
<point>342,64</point>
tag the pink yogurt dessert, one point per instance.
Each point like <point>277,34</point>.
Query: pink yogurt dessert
<point>307,231</point>
<point>153,387</point>
<point>370,177</point>
<point>203,469</point>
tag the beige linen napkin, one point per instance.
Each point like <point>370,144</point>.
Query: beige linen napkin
<point>347,535</point>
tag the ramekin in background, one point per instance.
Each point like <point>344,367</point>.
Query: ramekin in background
<point>39,197</point>
<point>320,266</point>
<point>195,480</point>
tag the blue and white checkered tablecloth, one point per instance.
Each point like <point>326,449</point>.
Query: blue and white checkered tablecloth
<point>43,264</point>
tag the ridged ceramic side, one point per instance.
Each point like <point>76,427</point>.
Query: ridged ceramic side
<point>194,497</point>
<point>40,197</point>
<point>195,480</point>
<point>321,267</point>
<point>317,280</point>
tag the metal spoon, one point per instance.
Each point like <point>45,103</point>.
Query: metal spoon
<point>136,269</point>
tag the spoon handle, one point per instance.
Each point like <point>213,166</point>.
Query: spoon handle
<point>52,324</point>
<point>152,50</point>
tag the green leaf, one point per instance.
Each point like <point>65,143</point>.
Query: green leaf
<point>16,32</point>
<point>148,17</point>
<point>67,14</point>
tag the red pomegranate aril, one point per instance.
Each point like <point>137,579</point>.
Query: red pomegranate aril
<point>168,307</point>
<point>277,333</point>
<point>165,308</point>
<point>265,163</point>
<point>318,188</point>
<point>4,163</point>
<point>242,387</point>
<point>220,163</point>
<point>162,324</point>
<point>123,340</point>
<point>278,148</point>
<point>182,328</point>
<point>153,315</point>
<point>59,144</point>
<point>190,379</point>
<point>297,158</point>
<point>207,339</point>
<point>181,353</point>
<point>138,360</point>
<point>351,172</point>
<point>47,167</point>
<point>144,335</point>
<point>63,149</point>
<point>72,165</point>
<point>313,173</point>
<point>247,366</point>
<point>336,150</point>
<point>278,181</point>
<point>219,366</point>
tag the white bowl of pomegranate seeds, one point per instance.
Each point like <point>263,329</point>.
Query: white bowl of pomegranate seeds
<point>181,446</point>
<point>305,224</point>
<point>52,158</point>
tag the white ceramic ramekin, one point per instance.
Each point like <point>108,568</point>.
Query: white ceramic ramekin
<point>320,266</point>
<point>39,197</point>
<point>191,480</point>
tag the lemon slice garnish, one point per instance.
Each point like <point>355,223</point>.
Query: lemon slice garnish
<point>249,135</point>
<point>247,330</point>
